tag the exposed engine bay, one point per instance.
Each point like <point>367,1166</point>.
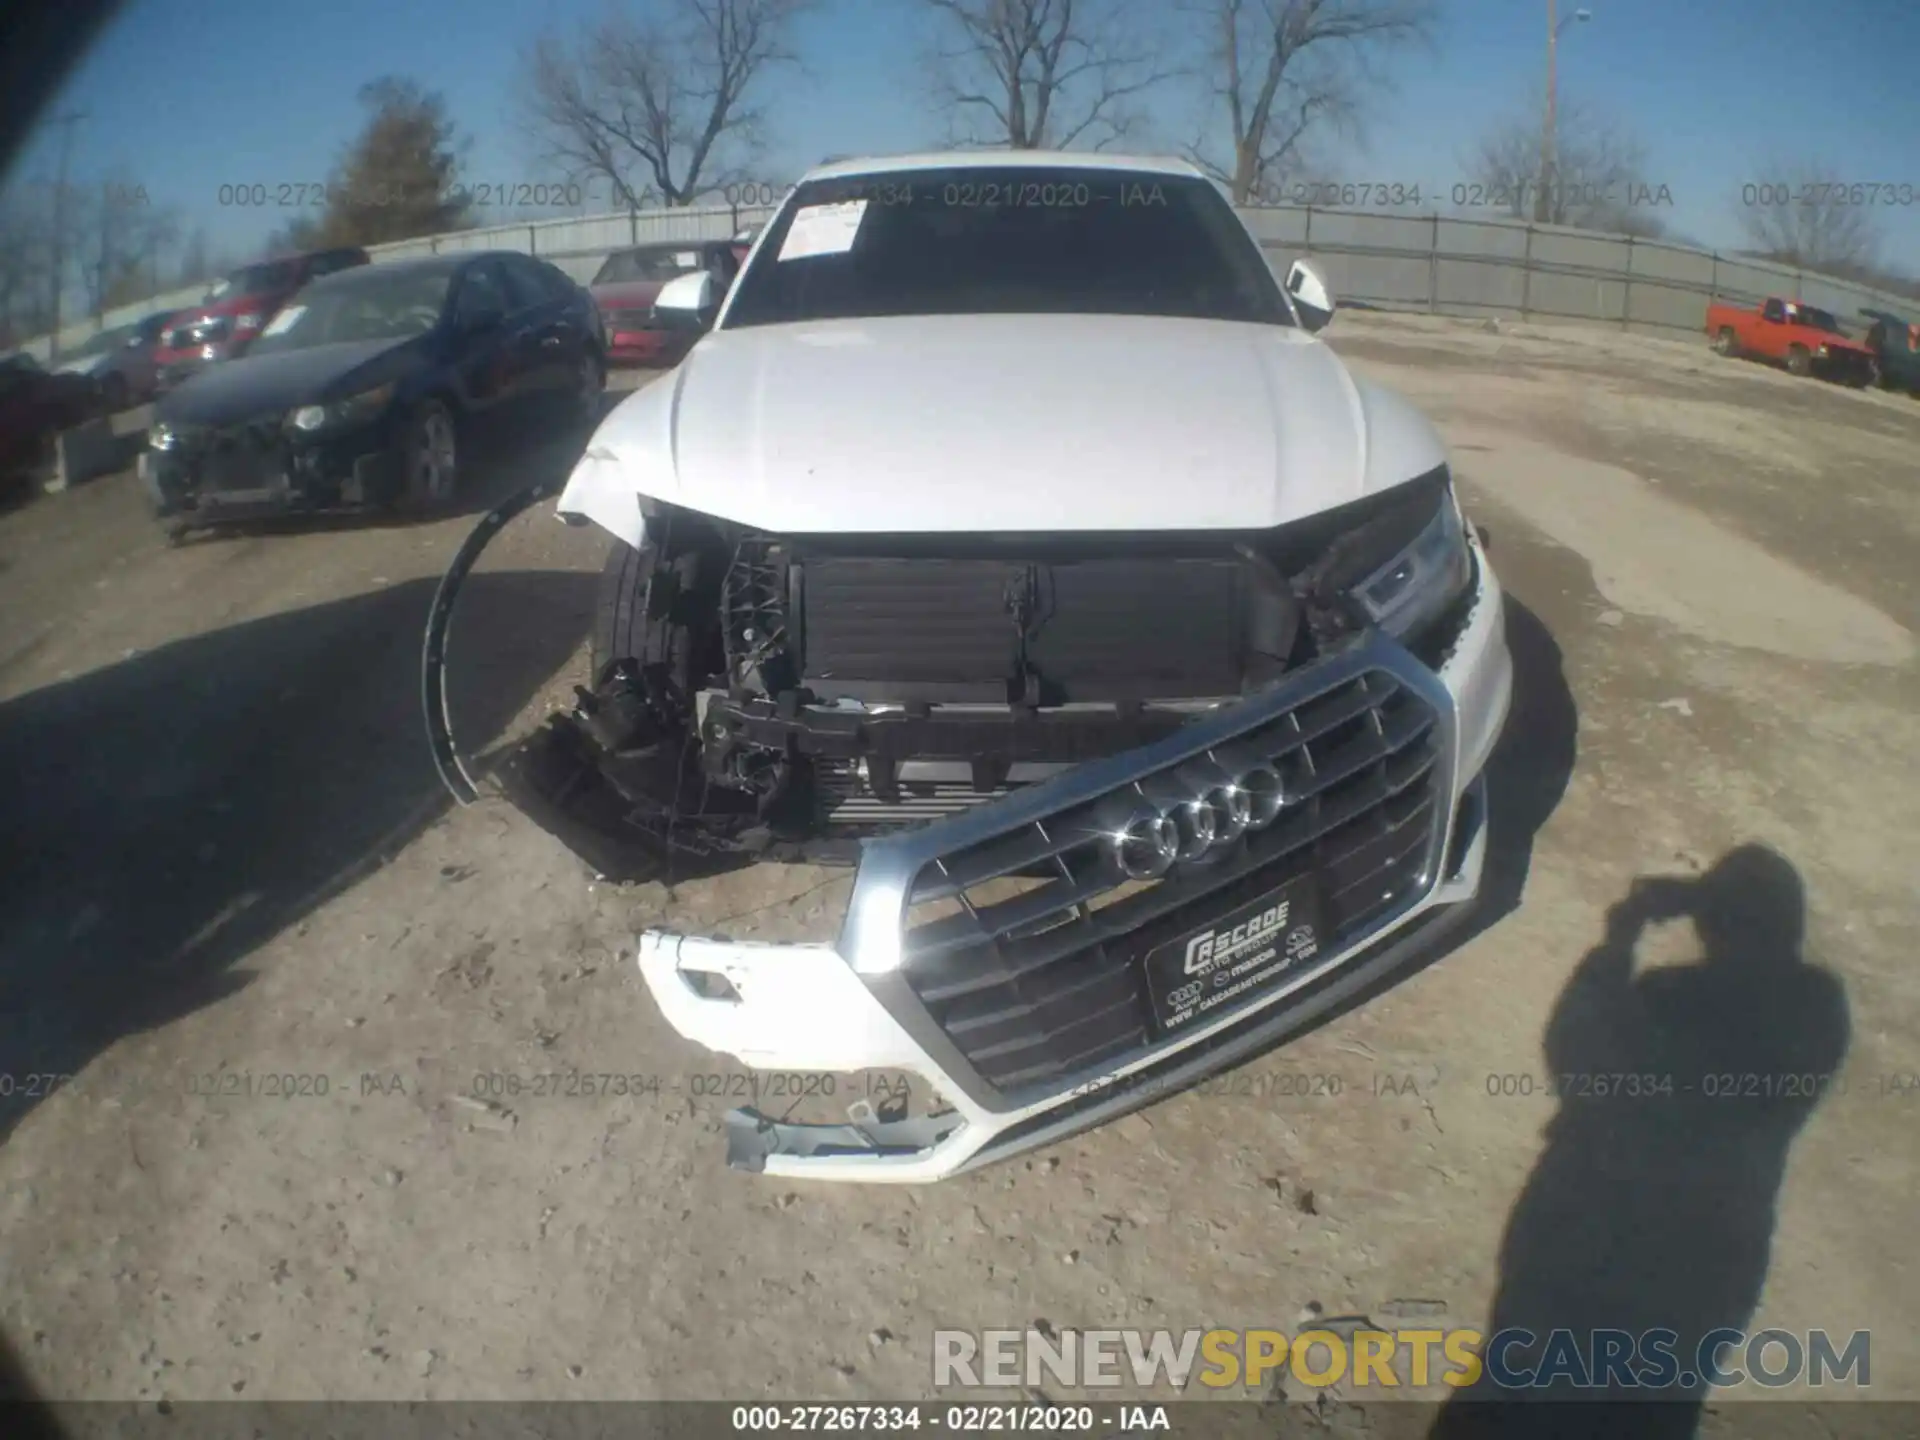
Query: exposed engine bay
<point>766,696</point>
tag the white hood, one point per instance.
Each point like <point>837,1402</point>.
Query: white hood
<point>1001,423</point>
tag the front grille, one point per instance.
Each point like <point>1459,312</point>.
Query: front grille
<point>240,457</point>
<point>200,332</point>
<point>1028,949</point>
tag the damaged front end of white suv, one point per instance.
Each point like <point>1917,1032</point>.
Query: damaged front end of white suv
<point>1134,653</point>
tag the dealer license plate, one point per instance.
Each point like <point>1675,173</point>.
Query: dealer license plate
<point>254,495</point>
<point>1219,966</point>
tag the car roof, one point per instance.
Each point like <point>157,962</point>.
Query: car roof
<point>1166,166</point>
<point>664,247</point>
<point>419,265</point>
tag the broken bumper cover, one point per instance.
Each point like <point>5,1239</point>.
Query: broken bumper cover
<point>839,1008</point>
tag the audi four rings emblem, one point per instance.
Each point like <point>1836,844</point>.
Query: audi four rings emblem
<point>1187,994</point>
<point>1155,837</point>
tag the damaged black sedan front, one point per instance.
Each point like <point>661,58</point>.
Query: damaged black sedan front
<point>363,392</point>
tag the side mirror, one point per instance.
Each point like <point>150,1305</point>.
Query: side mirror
<point>687,303</point>
<point>1312,295</point>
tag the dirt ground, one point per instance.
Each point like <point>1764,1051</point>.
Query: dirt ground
<point>226,854</point>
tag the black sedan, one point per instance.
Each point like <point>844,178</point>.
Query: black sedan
<point>362,391</point>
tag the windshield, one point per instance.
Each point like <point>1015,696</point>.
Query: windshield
<point>103,342</point>
<point>1008,240</point>
<point>369,306</point>
<point>625,267</point>
<point>254,280</point>
<point>1819,320</point>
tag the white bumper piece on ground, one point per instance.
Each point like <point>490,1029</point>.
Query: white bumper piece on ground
<point>844,1007</point>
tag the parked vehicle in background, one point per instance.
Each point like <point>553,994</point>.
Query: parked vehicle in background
<point>365,389</point>
<point>1894,342</point>
<point>35,406</point>
<point>121,361</point>
<point>629,280</point>
<point>238,307</point>
<point>743,242</point>
<point>1806,339</point>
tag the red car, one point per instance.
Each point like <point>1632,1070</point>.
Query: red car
<point>236,309</point>
<point>627,283</point>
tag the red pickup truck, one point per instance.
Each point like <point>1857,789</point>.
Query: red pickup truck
<point>1809,340</point>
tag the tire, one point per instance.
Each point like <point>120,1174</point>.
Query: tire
<point>589,384</point>
<point>670,630</point>
<point>429,457</point>
<point>1799,361</point>
<point>1725,344</point>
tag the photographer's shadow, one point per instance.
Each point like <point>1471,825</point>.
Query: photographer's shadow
<point>1681,1090</point>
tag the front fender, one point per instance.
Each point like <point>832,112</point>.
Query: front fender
<point>629,458</point>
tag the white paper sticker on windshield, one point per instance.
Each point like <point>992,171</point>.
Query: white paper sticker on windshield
<point>285,320</point>
<point>823,230</point>
<point>686,259</point>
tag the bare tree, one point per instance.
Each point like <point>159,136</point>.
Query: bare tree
<point>122,235</point>
<point>195,261</point>
<point>25,256</point>
<point>1599,177</point>
<point>1043,74</point>
<point>1807,214</point>
<point>659,104</point>
<point>1282,70</point>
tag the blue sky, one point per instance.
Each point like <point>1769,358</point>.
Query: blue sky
<point>186,95</point>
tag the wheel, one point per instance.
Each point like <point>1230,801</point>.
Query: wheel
<point>672,627</point>
<point>430,457</point>
<point>1799,360</point>
<point>1725,344</point>
<point>589,384</point>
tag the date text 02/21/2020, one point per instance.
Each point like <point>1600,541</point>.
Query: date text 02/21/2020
<point>959,1419</point>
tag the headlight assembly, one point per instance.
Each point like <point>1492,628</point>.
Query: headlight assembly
<point>161,436</point>
<point>1395,560</point>
<point>353,409</point>
<point>1416,585</point>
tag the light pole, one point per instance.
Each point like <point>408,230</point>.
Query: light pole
<point>1542,204</point>
<point>58,247</point>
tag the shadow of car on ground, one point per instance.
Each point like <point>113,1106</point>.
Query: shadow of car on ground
<point>169,814</point>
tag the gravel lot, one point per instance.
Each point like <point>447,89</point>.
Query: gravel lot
<point>227,852</point>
